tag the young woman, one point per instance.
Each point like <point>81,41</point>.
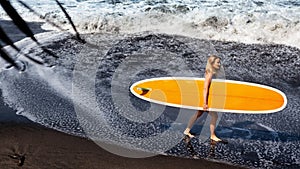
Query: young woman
<point>212,69</point>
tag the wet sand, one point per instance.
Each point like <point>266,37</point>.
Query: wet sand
<point>46,148</point>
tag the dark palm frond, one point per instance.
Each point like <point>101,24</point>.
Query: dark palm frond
<point>52,23</point>
<point>7,58</point>
<point>8,41</point>
<point>21,24</point>
<point>70,20</point>
<point>33,59</point>
<point>17,19</point>
<point>40,16</point>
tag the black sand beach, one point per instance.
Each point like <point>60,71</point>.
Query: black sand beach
<point>46,148</point>
<point>31,145</point>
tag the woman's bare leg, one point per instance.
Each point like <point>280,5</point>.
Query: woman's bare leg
<point>214,118</point>
<point>191,122</point>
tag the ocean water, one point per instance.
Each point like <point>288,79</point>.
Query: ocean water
<point>85,91</point>
<point>250,21</point>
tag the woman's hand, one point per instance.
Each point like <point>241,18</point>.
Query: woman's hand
<point>205,107</point>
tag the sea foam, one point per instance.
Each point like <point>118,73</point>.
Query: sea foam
<point>233,20</point>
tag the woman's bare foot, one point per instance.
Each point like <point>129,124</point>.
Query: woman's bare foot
<point>215,139</point>
<point>187,132</point>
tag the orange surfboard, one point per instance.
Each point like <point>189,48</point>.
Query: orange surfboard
<point>224,95</point>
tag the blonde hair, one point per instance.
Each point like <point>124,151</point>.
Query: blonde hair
<point>209,66</point>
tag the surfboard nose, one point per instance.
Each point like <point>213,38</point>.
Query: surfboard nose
<point>143,90</point>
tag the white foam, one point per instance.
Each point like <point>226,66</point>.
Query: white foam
<point>266,127</point>
<point>240,21</point>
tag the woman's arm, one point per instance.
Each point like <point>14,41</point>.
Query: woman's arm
<point>208,77</point>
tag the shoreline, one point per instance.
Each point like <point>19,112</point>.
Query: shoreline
<point>8,115</point>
